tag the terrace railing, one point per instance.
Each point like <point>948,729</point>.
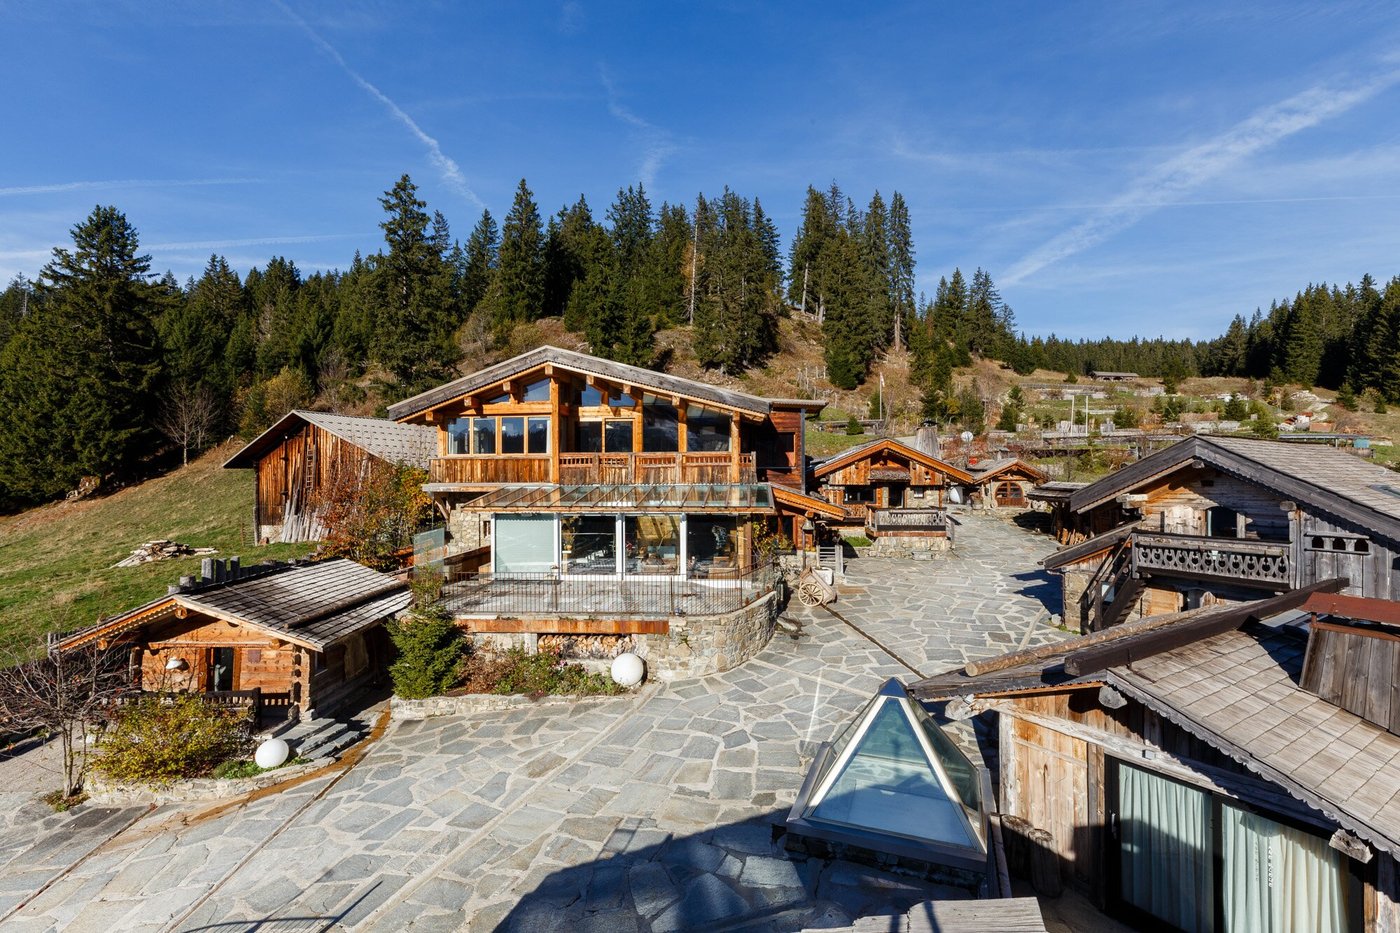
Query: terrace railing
<point>638,596</point>
<point>1248,562</point>
<point>895,521</point>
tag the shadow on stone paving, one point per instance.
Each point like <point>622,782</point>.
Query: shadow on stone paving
<point>276,924</point>
<point>732,877</point>
<point>1042,586</point>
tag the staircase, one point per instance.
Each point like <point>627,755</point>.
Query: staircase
<point>322,738</point>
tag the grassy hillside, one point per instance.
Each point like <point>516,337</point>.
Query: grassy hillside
<point>56,561</point>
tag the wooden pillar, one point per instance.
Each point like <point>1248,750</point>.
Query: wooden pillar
<point>555,428</point>
<point>735,473</point>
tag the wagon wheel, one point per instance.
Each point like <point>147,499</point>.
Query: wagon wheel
<point>811,593</point>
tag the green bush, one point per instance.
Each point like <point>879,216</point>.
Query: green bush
<point>854,427</point>
<point>161,738</point>
<point>242,768</point>
<point>430,650</point>
<point>857,540</point>
<point>545,674</point>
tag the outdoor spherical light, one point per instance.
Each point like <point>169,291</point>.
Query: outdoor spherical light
<point>271,753</point>
<point>628,669</point>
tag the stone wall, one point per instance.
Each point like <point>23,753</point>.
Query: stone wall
<point>699,646</point>
<point>116,794</point>
<point>468,704</point>
<point>905,547</point>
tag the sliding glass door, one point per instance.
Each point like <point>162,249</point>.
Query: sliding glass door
<point>1190,860</point>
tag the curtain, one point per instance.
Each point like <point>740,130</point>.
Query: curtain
<point>1165,842</point>
<point>1279,879</point>
<point>525,544</point>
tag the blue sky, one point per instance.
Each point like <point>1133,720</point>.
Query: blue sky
<point>1119,168</point>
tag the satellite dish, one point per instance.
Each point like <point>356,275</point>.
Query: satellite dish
<point>966,437</point>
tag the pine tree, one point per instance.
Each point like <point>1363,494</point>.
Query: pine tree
<point>272,296</point>
<point>195,333</point>
<point>81,374</point>
<point>568,247</point>
<point>735,320</point>
<point>416,320</point>
<point>517,294</point>
<point>769,240</point>
<point>664,272</point>
<point>851,323</point>
<point>819,224</point>
<point>481,257</point>
<point>901,240</point>
<point>876,270</point>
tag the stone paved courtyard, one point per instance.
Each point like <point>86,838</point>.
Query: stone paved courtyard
<point>651,812</point>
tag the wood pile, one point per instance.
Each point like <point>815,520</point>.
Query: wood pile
<point>162,549</point>
<point>586,646</point>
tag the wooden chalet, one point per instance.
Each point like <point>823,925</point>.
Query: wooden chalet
<point>890,489</point>
<point>560,468</point>
<point>1005,483</point>
<point>1229,768</point>
<point>305,636</point>
<point>1103,375</point>
<point>307,452</point>
<point>1225,519</point>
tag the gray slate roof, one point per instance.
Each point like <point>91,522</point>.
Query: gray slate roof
<point>1329,479</point>
<point>583,363</point>
<point>390,441</point>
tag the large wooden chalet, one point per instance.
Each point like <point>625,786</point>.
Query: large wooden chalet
<point>1235,767</point>
<point>889,489</point>
<point>300,636</point>
<point>306,453</point>
<point>560,466</point>
<point>1225,519</point>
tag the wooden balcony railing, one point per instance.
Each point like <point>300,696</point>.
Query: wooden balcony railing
<point>488,469</point>
<point>1251,563</point>
<point>577,469</point>
<point>908,521</point>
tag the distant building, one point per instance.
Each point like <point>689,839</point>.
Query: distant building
<point>1104,375</point>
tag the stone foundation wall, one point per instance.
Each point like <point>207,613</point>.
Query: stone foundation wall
<point>699,646</point>
<point>895,546</point>
<point>114,794</point>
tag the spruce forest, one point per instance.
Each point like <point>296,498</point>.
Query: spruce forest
<point>107,368</point>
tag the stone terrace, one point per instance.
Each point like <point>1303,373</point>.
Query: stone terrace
<point>652,812</point>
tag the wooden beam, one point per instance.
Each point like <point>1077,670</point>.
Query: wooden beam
<point>1384,611</point>
<point>1125,650</point>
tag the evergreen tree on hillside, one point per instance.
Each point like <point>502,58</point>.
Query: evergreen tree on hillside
<point>417,315</point>
<point>736,316</point>
<point>631,222</point>
<point>664,272</point>
<point>769,240</point>
<point>272,296</point>
<point>851,323</point>
<point>480,259</point>
<point>352,334</point>
<point>567,250</point>
<point>819,224</point>
<point>517,294</point>
<point>632,233</point>
<point>195,332</point>
<point>81,374</point>
<point>874,246</point>
<point>901,239</point>
<point>15,303</point>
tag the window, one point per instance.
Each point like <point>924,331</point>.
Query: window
<point>590,396</point>
<point>711,545</point>
<point>1222,522</point>
<point>659,426</point>
<point>512,435</point>
<point>864,495</point>
<point>588,438</point>
<point>617,437</point>
<point>589,544</point>
<point>498,400</point>
<point>536,392</point>
<point>653,544</point>
<point>459,436</point>
<point>706,430</point>
<point>537,439</point>
<point>524,544</point>
<point>484,435</point>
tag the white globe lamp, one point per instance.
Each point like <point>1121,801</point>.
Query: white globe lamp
<point>628,669</point>
<point>271,753</point>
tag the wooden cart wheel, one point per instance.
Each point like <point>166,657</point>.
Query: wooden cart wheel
<point>810,593</point>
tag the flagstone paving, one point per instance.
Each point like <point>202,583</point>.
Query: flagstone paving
<point>651,812</point>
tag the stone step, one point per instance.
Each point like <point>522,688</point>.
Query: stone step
<point>329,741</point>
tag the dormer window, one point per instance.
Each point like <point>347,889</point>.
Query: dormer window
<point>536,391</point>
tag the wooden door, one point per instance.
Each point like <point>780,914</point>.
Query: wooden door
<point>1046,783</point>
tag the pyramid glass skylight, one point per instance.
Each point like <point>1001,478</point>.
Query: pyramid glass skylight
<point>893,781</point>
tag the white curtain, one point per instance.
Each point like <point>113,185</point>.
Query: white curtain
<point>1279,879</point>
<point>1165,834</point>
<point>525,544</point>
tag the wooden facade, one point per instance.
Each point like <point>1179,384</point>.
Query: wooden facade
<point>888,488</point>
<point>1212,523</point>
<point>1005,484</point>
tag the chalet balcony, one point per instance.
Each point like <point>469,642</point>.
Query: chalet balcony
<point>1249,563</point>
<point>590,469</point>
<point>907,521</point>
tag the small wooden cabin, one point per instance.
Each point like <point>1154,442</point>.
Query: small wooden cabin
<point>1232,768</point>
<point>304,636</point>
<point>307,452</point>
<point>889,489</point>
<point>1214,519</point>
<point>1005,483</point>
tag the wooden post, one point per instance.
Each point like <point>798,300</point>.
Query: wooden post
<point>555,429</point>
<point>735,473</point>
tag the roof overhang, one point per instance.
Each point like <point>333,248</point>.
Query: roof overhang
<point>855,455</point>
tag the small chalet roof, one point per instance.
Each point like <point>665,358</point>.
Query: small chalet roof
<point>1057,491</point>
<point>798,501</point>
<point>1108,374</point>
<point>622,497</point>
<point>390,441</point>
<point>986,470</point>
<point>1331,480</point>
<point>585,364</point>
<point>1074,553</point>
<point>313,605</point>
<point>889,444</point>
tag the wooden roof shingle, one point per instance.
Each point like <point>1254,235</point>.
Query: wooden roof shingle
<point>390,441</point>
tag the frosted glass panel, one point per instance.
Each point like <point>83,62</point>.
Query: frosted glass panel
<point>524,544</point>
<point>889,785</point>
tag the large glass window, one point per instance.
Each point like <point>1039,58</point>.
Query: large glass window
<point>512,435</point>
<point>653,544</point>
<point>588,439</point>
<point>706,430</point>
<point>484,435</point>
<point>459,436</point>
<point>590,397</point>
<point>712,545</point>
<point>537,440</point>
<point>524,544</point>
<point>589,544</point>
<point>659,426</point>
<point>617,437</point>
<point>536,391</point>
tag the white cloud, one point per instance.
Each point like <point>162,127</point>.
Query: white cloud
<point>656,142</point>
<point>189,245</point>
<point>17,190</point>
<point>451,172</point>
<point>1163,185</point>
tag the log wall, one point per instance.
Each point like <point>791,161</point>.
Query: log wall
<point>289,477</point>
